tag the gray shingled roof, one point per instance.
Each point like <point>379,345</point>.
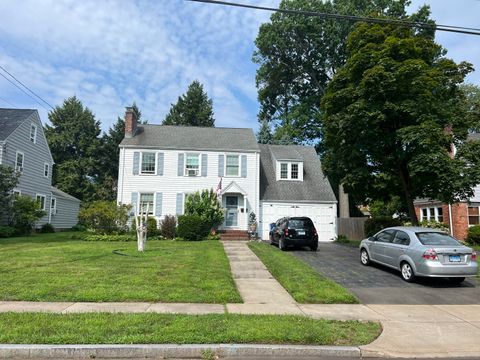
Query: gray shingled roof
<point>315,187</point>
<point>60,193</point>
<point>10,119</point>
<point>193,138</point>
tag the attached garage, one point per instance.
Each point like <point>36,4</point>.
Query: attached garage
<point>322,215</point>
<point>285,193</point>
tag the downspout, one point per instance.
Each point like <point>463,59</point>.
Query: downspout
<point>50,209</point>
<point>450,218</point>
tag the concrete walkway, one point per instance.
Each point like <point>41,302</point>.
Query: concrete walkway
<point>408,330</point>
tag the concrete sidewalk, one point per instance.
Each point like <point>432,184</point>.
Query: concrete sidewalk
<point>421,331</point>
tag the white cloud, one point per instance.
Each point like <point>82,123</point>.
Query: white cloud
<point>111,53</point>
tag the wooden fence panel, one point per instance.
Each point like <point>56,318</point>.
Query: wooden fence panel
<point>352,228</point>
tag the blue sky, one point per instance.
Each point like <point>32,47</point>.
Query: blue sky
<point>110,53</point>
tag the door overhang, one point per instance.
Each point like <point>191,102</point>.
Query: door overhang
<point>233,188</point>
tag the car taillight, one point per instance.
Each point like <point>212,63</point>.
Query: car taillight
<point>286,232</point>
<point>474,256</point>
<point>430,254</point>
<point>314,232</point>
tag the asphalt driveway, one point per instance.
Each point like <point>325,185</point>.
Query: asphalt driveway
<point>377,284</point>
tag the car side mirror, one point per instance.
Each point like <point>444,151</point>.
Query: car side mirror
<point>372,238</point>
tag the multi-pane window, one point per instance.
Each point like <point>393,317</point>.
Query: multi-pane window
<point>192,165</point>
<point>41,201</point>
<point>232,165</point>
<point>294,171</point>
<point>290,171</point>
<point>284,171</point>
<point>46,170</point>
<point>33,133</point>
<point>19,161</point>
<point>146,203</point>
<point>473,215</point>
<point>148,163</point>
<point>432,214</point>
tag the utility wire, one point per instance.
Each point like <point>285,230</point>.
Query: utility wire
<point>26,87</point>
<point>423,25</point>
<point>26,93</point>
<point>7,102</point>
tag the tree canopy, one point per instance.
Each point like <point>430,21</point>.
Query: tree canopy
<point>299,55</point>
<point>391,115</point>
<point>73,137</point>
<point>472,103</point>
<point>194,108</point>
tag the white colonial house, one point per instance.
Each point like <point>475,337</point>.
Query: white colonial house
<point>160,165</point>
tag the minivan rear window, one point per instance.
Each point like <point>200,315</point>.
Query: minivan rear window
<point>437,238</point>
<point>299,223</point>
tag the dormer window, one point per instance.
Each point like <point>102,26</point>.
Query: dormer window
<point>289,170</point>
<point>33,133</point>
<point>294,171</point>
<point>284,171</point>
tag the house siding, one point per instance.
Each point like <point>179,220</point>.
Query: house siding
<point>170,183</point>
<point>66,215</point>
<point>32,181</point>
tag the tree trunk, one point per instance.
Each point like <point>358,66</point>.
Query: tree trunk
<point>407,189</point>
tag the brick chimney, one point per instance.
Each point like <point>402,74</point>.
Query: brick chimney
<point>130,122</point>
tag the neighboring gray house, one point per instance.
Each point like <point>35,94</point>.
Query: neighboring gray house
<point>24,147</point>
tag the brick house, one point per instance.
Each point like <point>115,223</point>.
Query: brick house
<point>458,216</point>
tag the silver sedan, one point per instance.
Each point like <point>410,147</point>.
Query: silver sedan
<point>417,251</point>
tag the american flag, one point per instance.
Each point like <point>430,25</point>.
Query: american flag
<point>219,187</point>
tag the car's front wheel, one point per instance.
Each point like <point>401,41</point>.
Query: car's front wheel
<point>364,258</point>
<point>407,272</point>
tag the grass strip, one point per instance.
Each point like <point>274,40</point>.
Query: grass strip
<point>55,267</point>
<point>300,279</point>
<point>149,328</point>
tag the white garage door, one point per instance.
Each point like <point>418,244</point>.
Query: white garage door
<point>322,215</point>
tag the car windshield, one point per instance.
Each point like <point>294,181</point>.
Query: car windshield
<point>299,223</point>
<point>436,238</point>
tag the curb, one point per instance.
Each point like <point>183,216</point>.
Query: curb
<point>173,351</point>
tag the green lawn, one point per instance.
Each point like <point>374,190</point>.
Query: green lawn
<point>107,328</point>
<point>53,267</point>
<point>299,279</point>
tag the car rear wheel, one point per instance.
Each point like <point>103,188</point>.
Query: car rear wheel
<point>281,245</point>
<point>407,272</point>
<point>314,247</point>
<point>364,258</point>
<point>457,280</point>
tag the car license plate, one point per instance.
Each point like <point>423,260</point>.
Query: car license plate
<point>454,258</point>
<point>301,232</point>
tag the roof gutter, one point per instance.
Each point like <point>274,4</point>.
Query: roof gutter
<point>185,149</point>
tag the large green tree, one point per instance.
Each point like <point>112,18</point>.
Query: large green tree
<point>298,56</point>
<point>472,103</point>
<point>74,141</point>
<point>194,108</point>
<point>391,115</point>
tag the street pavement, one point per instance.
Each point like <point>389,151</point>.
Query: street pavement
<point>378,284</point>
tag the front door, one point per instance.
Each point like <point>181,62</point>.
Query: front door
<point>231,219</point>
